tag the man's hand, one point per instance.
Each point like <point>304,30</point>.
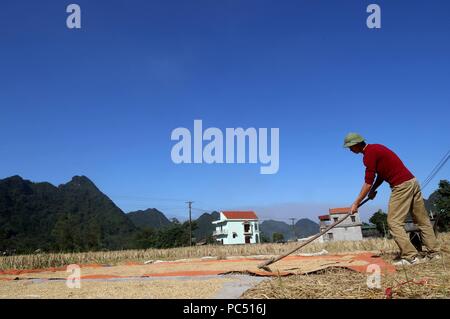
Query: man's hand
<point>372,194</point>
<point>365,190</point>
<point>354,208</point>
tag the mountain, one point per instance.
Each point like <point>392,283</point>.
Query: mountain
<point>303,228</point>
<point>149,218</point>
<point>268,227</point>
<point>72,216</point>
<point>306,227</point>
<point>153,218</point>
<point>205,227</point>
<point>77,216</point>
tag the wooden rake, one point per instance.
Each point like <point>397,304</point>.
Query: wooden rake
<point>265,265</point>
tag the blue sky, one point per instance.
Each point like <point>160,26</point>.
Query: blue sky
<point>102,101</point>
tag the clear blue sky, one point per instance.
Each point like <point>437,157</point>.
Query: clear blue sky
<point>102,101</point>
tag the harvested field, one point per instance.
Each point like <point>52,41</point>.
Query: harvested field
<point>198,267</point>
<point>146,289</point>
<point>339,273</point>
<point>217,251</point>
<point>427,280</point>
<point>181,279</point>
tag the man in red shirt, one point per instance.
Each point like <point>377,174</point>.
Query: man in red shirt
<point>406,196</point>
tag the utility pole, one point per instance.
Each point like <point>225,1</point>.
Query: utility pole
<point>293,226</point>
<point>190,222</point>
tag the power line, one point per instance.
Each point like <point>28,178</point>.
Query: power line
<point>436,169</point>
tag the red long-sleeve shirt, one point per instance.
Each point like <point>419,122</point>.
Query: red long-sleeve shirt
<point>383,162</point>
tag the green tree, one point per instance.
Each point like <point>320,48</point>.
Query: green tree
<point>264,238</point>
<point>442,205</point>
<point>276,237</point>
<point>176,235</point>
<point>63,233</point>
<point>210,239</point>
<point>379,219</point>
<point>145,238</point>
<point>93,236</point>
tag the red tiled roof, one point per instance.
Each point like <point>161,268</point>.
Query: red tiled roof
<point>240,215</point>
<point>324,217</point>
<point>343,210</point>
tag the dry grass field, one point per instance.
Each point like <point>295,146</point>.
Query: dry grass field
<point>427,280</point>
<point>221,252</point>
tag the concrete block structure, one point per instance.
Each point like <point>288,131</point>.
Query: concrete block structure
<point>349,229</point>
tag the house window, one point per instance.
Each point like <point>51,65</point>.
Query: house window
<point>330,236</point>
<point>335,219</point>
<point>234,235</point>
<point>256,226</point>
<point>353,219</point>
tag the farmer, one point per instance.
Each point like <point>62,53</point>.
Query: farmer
<point>406,197</point>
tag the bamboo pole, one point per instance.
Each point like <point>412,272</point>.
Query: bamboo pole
<point>274,260</point>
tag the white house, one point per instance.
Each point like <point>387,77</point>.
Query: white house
<point>237,227</point>
<point>349,229</point>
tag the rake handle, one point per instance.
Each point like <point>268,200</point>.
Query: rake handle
<point>274,260</point>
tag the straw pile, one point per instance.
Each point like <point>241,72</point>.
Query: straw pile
<point>427,280</point>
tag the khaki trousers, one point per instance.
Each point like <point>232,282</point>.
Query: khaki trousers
<point>407,198</point>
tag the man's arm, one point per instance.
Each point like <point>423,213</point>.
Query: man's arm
<point>370,184</point>
<point>367,190</point>
<point>362,194</point>
<point>375,185</point>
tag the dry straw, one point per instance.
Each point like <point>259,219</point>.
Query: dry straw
<point>117,257</point>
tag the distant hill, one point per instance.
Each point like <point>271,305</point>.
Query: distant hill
<point>205,227</point>
<point>153,218</point>
<point>306,227</point>
<point>303,228</point>
<point>268,227</point>
<point>149,218</point>
<point>72,216</point>
<point>77,216</point>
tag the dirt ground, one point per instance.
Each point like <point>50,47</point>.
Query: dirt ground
<point>206,287</point>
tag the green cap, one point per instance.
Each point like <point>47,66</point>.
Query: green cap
<point>353,139</point>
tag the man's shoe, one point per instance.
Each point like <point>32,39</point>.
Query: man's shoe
<point>408,262</point>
